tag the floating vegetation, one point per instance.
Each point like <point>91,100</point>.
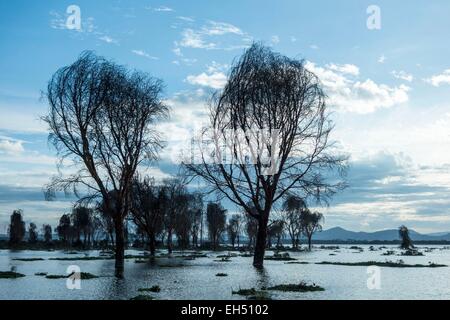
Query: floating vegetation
<point>356,248</point>
<point>221,275</point>
<point>10,275</point>
<point>41,274</point>
<point>412,252</point>
<point>260,295</point>
<point>246,292</point>
<point>301,287</point>
<point>56,276</point>
<point>246,255</point>
<point>152,289</point>
<point>142,297</point>
<point>390,264</point>
<point>223,259</point>
<point>28,259</point>
<point>140,261</point>
<point>83,258</point>
<point>83,276</point>
<point>329,247</point>
<point>280,257</point>
<point>229,255</point>
<point>297,262</point>
<point>389,253</point>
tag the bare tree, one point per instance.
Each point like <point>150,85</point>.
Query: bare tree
<point>32,233</point>
<point>47,231</point>
<point>234,229</point>
<point>100,120</point>
<point>292,210</point>
<point>175,194</point>
<point>275,110</point>
<point>311,223</point>
<point>275,230</point>
<point>251,230</point>
<point>403,233</point>
<point>16,227</point>
<point>216,217</point>
<point>148,209</point>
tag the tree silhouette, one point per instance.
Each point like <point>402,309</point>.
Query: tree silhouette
<point>292,210</point>
<point>16,227</point>
<point>101,119</point>
<point>277,108</point>
<point>311,223</point>
<point>216,217</point>
<point>32,233</point>
<point>406,242</point>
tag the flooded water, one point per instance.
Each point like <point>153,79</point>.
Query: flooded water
<point>197,280</point>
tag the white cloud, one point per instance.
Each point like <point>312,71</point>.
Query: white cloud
<point>215,80</point>
<point>275,39</point>
<point>344,68</point>
<point>439,79</point>
<point>214,77</point>
<point>207,36</point>
<point>382,58</point>
<point>11,147</point>
<point>402,75</point>
<point>144,54</point>
<point>186,19</point>
<point>293,39</point>
<point>162,9</point>
<point>214,28</point>
<point>314,47</point>
<point>108,39</point>
<point>194,39</point>
<point>350,95</point>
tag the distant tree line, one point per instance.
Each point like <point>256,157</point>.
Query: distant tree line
<point>162,213</point>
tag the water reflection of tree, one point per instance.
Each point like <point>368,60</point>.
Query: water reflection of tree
<point>262,277</point>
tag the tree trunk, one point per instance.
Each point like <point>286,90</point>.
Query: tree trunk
<point>309,242</point>
<point>120,248</point>
<point>152,245</point>
<point>261,241</point>
<point>169,241</point>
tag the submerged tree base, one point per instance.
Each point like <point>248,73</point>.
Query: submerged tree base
<point>10,275</point>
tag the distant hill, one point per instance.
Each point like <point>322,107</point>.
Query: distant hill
<point>384,235</point>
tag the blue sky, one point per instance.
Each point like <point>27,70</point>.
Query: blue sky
<point>388,89</point>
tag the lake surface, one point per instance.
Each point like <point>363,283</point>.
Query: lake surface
<point>197,280</point>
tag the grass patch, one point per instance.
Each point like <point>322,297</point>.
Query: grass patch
<point>55,276</point>
<point>28,259</point>
<point>82,258</point>
<point>10,275</point>
<point>140,261</point>
<point>301,287</point>
<point>246,292</point>
<point>221,275</point>
<point>280,257</point>
<point>83,276</point>
<point>152,289</point>
<point>390,264</point>
<point>260,295</point>
<point>223,259</point>
<point>142,297</point>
